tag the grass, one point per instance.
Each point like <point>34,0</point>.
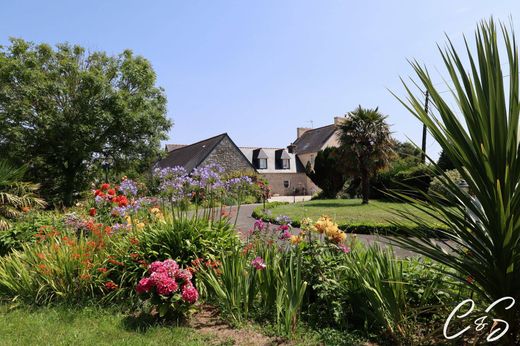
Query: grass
<point>87,326</point>
<point>348,211</point>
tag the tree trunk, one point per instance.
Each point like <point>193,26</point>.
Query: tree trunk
<point>365,185</point>
<point>69,188</point>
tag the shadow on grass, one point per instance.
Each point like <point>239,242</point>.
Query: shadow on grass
<point>142,322</point>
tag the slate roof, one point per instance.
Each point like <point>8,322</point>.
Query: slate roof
<point>313,140</point>
<point>170,147</point>
<point>190,156</point>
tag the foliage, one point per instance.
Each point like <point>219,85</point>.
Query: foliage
<point>187,239</point>
<point>444,162</point>
<point>25,229</point>
<point>16,195</point>
<point>56,268</point>
<point>481,140</point>
<point>68,110</point>
<point>366,145</point>
<point>328,174</point>
<point>438,187</point>
<point>414,181</point>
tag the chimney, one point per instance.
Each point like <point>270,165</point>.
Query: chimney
<point>301,130</point>
<point>291,148</point>
<point>338,120</point>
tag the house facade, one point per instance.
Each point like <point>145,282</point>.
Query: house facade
<point>283,170</point>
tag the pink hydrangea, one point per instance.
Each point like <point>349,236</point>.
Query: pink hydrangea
<point>171,266</point>
<point>258,263</point>
<point>143,286</point>
<point>157,267</point>
<point>184,275</point>
<point>167,286</point>
<point>190,294</point>
<point>157,277</point>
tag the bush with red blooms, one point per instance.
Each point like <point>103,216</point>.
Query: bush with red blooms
<point>168,290</point>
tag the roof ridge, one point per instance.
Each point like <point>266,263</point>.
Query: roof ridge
<point>203,140</point>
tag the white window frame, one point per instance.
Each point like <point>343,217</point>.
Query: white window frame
<point>260,161</point>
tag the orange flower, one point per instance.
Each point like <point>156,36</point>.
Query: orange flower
<point>102,270</point>
<point>134,241</point>
<point>85,277</point>
<point>41,255</point>
<point>26,209</point>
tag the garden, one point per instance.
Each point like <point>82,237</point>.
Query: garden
<point>154,257</point>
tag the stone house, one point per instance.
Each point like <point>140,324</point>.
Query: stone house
<point>219,149</point>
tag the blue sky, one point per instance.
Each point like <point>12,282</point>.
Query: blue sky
<point>259,69</point>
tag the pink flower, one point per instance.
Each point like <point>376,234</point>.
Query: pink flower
<point>344,248</point>
<point>166,286</point>
<point>285,235</point>
<point>258,225</point>
<point>143,286</point>
<point>157,267</point>
<point>189,294</point>
<point>283,227</point>
<point>171,266</point>
<point>184,275</point>
<point>157,277</point>
<point>258,263</point>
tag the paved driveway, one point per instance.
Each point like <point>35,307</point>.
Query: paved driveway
<point>245,222</point>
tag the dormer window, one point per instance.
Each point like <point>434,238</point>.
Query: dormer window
<point>262,163</point>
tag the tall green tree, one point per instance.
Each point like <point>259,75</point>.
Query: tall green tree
<point>64,110</point>
<point>15,194</point>
<point>328,174</point>
<point>480,137</point>
<point>366,145</point>
<point>444,162</point>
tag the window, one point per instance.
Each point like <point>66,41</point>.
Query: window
<point>286,184</point>
<point>286,164</point>
<point>262,163</point>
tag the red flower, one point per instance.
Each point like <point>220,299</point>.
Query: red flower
<point>98,193</point>
<point>110,285</point>
<point>102,270</point>
<point>105,187</point>
<point>111,192</point>
<point>92,211</point>
<point>470,279</point>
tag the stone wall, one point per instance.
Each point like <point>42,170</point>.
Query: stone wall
<point>300,181</point>
<point>228,156</point>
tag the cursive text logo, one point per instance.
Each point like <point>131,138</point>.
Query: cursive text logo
<point>498,327</point>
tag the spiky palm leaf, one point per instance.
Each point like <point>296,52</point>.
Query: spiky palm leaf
<point>15,195</point>
<point>480,138</point>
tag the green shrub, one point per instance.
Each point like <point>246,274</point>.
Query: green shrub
<point>438,187</point>
<point>24,230</point>
<point>185,240</point>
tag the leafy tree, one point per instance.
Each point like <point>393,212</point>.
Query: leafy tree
<point>366,145</point>
<point>64,110</point>
<point>15,194</point>
<point>444,162</point>
<point>328,174</point>
<point>407,153</point>
<point>480,137</point>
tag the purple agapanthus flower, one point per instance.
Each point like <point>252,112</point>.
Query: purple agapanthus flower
<point>128,187</point>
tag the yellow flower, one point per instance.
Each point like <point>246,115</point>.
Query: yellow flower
<point>140,225</point>
<point>295,239</point>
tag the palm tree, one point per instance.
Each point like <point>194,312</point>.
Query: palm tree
<point>15,194</point>
<point>366,144</point>
<point>481,139</point>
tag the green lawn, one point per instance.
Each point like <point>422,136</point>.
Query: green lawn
<point>347,211</point>
<point>86,326</point>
